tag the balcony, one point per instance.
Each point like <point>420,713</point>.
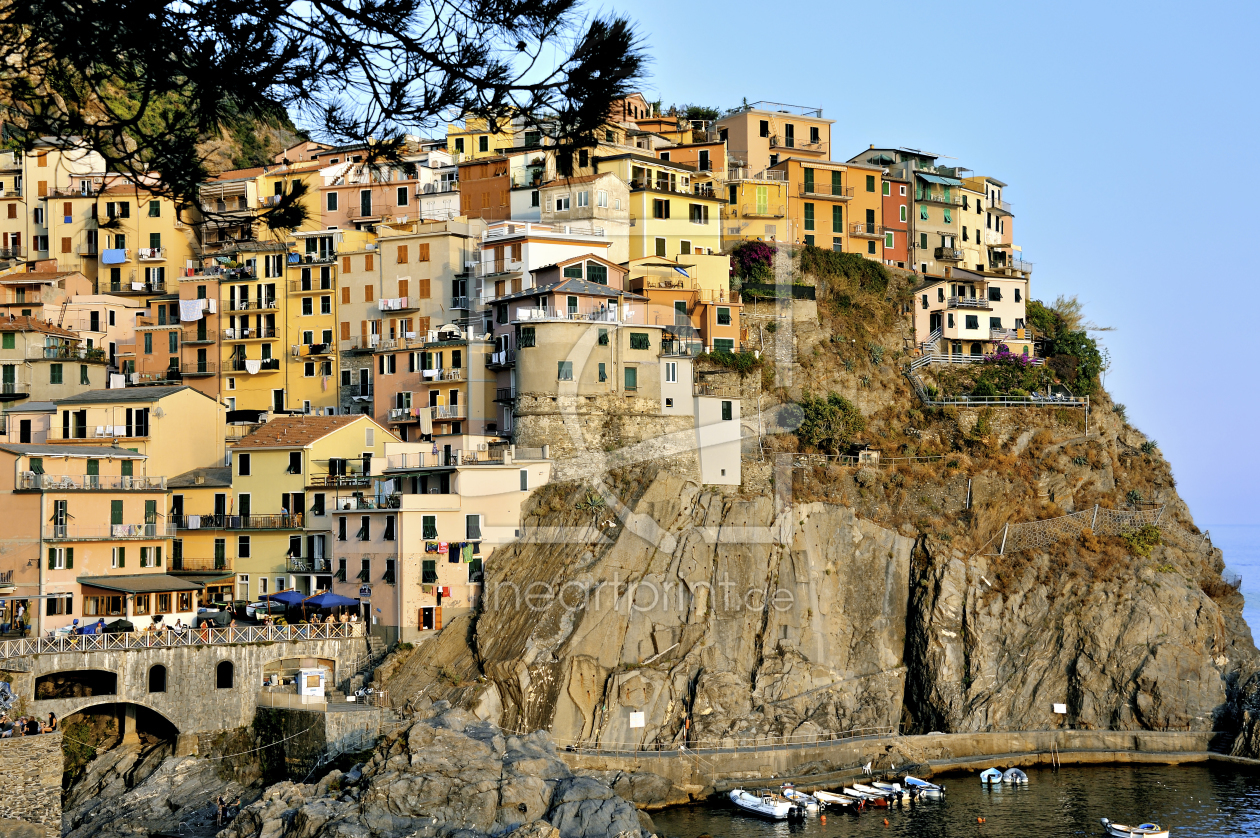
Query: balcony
<point>1011,265</point>
<point>404,414</point>
<point>199,564</point>
<point>1001,207</point>
<point>505,395</point>
<point>1010,334</point>
<point>107,532</point>
<point>317,564</point>
<point>352,477</point>
<point>442,375</point>
<point>460,302</point>
<point>196,369</point>
<point>501,360</point>
<point>313,350</point>
<point>867,231</point>
<point>188,336</point>
<point>240,430</point>
<point>826,190</point>
<point>237,335</point>
<point>450,413</point>
<point>948,254</point>
<point>363,343</point>
<point>14,390</point>
<point>265,304</point>
<point>318,257</point>
<point>29,481</point>
<point>499,266</point>
<point>397,304</point>
<point>928,196</point>
<point>14,252</point>
<point>73,433</point>
<point>596,315</point>
<point>292,521</point>
<point>243,365</point>
<point>754,211</point>
<point>11,193</point>
<point>137,288</point>
<point>969,302</point>
<point>678,188</point>
<point>67,352</point>
<point>151,254</point>
<point>313,285</point>
<point>359,391</point>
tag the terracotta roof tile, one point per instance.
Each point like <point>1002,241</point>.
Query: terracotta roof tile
<point>33,324</point>
<point>294,431</point>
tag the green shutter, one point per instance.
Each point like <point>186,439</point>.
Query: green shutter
<point>126,468</point>
<point>10,340</point>
<point>809,216</point>
<point>93,467</point>
<point>809,179</point>
<point>157,556</point>
<point>115,512</point>
<point>122,556</point>
<point>69,558</point>
<point>837,220</point>
<point>52,558</point>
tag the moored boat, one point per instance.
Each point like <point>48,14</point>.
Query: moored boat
<point>765,804</point>
<point>800,798</point>
<point>893,789</point>
<point>841,800</point>
<point>1145,830</point>
<point>1014,776</point>
<point>872,799</point>
<point>923,788</point>
<point>991,776</point>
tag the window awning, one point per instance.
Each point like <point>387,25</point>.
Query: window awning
<point>944,181</point>
<point>139,583</point>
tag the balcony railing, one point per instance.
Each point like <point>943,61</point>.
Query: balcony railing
<point>12,252</point>
<point>68,352</point>
<point>758,210</point>
<point>598,315</point>
<point>265,304</point>
<point>458,457</point>
<point>504,394</point>
<point>151,254</point>
<point>62,433</point>
<point>137,287</point>
<point>292,521</point>
<point>350,478</point>
<point>240,430</point>
<point>502,359</point>
<point>968,302</point>
<point>1010,334</point>
<point>874,231</point>
<point>204,636</point>
<point>318,257</point>
<point>447,413</point>
<point>30,481</point>
<point>300,564</point>
<point>86,249</point>
<point>827,190</point>
<point>198,564</point>
<point>15,388</point>
<point>930,197</point>
<point>265,333</point>
<point>948,254</point>
<point>459,302</point>
<point>240,364</point>
<point>197,336</point>
<point>499,266</point>
<point>396,304</point>
<point>195,368</point>
<point>1002,207</point>
<point>312,285</point>
<point>1011,264</point>
<point>107,532</point>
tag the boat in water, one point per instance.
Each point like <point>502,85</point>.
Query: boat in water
<point>872,797</point>
<point>766,804</point>
<point>922,788</point>
<point>800,798</point>
<point>894,790</point>
<point>991,776</point>
<point>1145,830</point>
<point>840,800</point>
<point>1015,777</point>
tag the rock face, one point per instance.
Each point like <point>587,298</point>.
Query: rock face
<point>703,611</point>
<point>449,775</point>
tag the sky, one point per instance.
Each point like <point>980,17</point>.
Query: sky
<point>1120,127</point>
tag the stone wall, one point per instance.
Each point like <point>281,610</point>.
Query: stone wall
<point>30,768</point>
<point>302,737</point>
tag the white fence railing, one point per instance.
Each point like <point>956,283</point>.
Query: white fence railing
<point>205,636</point>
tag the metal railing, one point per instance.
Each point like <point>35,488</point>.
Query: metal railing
<point>1035,534</point>
<point>504,394</point>
<point>108,532</point>
<point>238,364</point>
<point>931,197</point>
<point>299,564</point>
<point>30,481</point>
<point>292,521</point>
<point>826,190</point>
<point>1031,400</point>
<point>312,285</point>
<point>360,390</point>
<point>198,564</point>
<point>442,459</point>
<point>502,358</point>
<point>264,304</point>
<point>968,302</point>
<point>459,302</point>
<point>754,211</point>
<point>498,266</point>
<point>204,636</point>
<point>197,336</point>
<point>1011,264</point>
<point>151,254</point>
<point>871,230</point>
<point>67,352</point>
<point>240,430</point>
<point>948,254</point>
<point>137,287</point>
<point>12,252</point>
<point>318,257</point>
<point>353,478</point>
<point>944,358</point>
<point>265,333</point>
<point>198,368</point>
<point>732,744</point>
<point>598,315</point>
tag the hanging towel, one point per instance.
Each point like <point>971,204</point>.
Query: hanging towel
<point>468,552</point>
<point>426,422</point>
<point>190,309</point>
<point>426,589</point>
<point>113,257</point>
<point>193,522</point>
<point>137,286</point>
<point>117,381</point>
<point>252,365</point>
<point>443,546</point>
<point>211,306</point>
<point>324,384</point>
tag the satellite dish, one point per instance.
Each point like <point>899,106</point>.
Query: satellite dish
<point>159,412</point>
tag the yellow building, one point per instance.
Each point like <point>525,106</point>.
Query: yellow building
<point>673,209</point>
<point>40,362</point>
<point>88,523</point>
<point>756,206</point>
<point>474,139</point>
<point>764,133</point>
<point>284,477</point>
<point>199,549</point>
<point>25,179</point>
<point>176,427</point>
<point>835,206</point>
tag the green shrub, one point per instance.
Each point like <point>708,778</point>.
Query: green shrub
<point>830,422</point>
<point>830,264</point>
<point>1150,446</point>
<point>877,353</point>
<point>740,362</point>
<point>1119,410</point>
<point>1134,497</point>
<point>1142,541</point>
<point>984,389</point>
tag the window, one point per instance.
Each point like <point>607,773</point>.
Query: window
<point>925,302</point>
<point>809,239</point>
<point>887,188</point>
<point>564,371</point>
<point>242,546</point>
<point>1017,295</point>
<point>308,307</point>
<point>870,183</point>
<point>660,247</point>
<point>949,218</point>
<point>584,199</point>
<point>242,464</point>
<point>950,319</point>
<point>402,196</point>
<point>83,370</point>
<point>809,216</point>
<point>640,340</point>
<point>870,247</point>
<point>332,201</point>
<point>365,528</point>
<point>923,213</point>
<point>728,411</point>
<point>428,571</point>
<point>699,213</point>
<point>597,273</point>
<point>402,254</point>
<point>973,321</point>
<point>723,316</point>
<point>888,239</point>
<point>526,338</point>
<point>472,527</point>
<point>223,675</point>
<point>632,378</point>
<point>295,463</point>
<point>54,373</point>
<point>995,294</point>
<point>660,208</point>
<point>995,322</point>
<point>724,345</point>
<point>428,526</point>
<point>60,558</point>
<point>903,212</point>
<point>923,242</point>
<point>389,528</point>
<point>684,247</point>
<point>671,372</point>
<point>562,203</point>
<point>601,198</point>
<point>765,127</point>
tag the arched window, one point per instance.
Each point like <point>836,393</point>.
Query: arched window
<point>223,675</point>
<point>157,679</point>
<point>976,349</point>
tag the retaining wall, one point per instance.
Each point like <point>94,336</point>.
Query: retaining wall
<point>30,784</point>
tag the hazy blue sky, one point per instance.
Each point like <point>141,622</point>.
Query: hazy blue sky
<point>1126,132</point>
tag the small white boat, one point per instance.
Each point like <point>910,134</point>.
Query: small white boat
<point>893,789</point>
<point>991,776</point>
<point>765,804</point>
<point>871,798</point>
<point>800,798</point>
<point>843,800</point>
<point>923,788</point>
<point>1145,830</point>
<point>1015,777</point>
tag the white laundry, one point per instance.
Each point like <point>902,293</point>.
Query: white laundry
<point>190,309</point>
<point>117,381</point>
<point>252,365</point>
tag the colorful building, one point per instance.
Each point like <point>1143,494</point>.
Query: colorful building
<point>760,135</point>
<point>756,206</point>
<point>42,362</point>
<point>668,216</point>
<point>896,210</point>
<point>969,313</point>
<point>46,171</point>
<point>835,206</point>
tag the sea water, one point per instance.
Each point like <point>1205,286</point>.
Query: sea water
<point>1241,545</point>
<point>1196,800</point>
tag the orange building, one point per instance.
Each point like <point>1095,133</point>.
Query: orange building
<point>485,187</point>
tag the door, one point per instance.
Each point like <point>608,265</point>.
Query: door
<point>934,321</point>
<point>93,474</point>
<point>24,431</point>
<point>277,401</point>
<point>426,619</point>
<point>809,179</point>
<point>150,518</point>
<point>10,378</point>
<point>201,360</point>
<point>60,517</point>
<point>177,508</point>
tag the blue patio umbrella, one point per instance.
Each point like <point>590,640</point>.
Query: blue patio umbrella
<point>330,600</point>
<point>289,597</point>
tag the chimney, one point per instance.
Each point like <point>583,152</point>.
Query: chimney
<point>872,146</point>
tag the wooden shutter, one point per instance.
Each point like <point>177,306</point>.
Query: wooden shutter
<point>422,324</point>
<point>41,189</point>
<point>422,252</point>
<point>65,244</point>
<point>345,295</point>
<point>12,210</point>
<point>363,328</point>
<point>69,558</point>
<point>516,252</point>
<point>402,287</point>
<point>368,261</point>
<point>422,289</point>
<point>345,264</point>
<point>367,293</point>
<point>402,253</point>
<point>345,330</point>
<point>67,209</point>
<point>437,618</point>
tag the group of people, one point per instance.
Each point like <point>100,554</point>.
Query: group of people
<point>25,726</point>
